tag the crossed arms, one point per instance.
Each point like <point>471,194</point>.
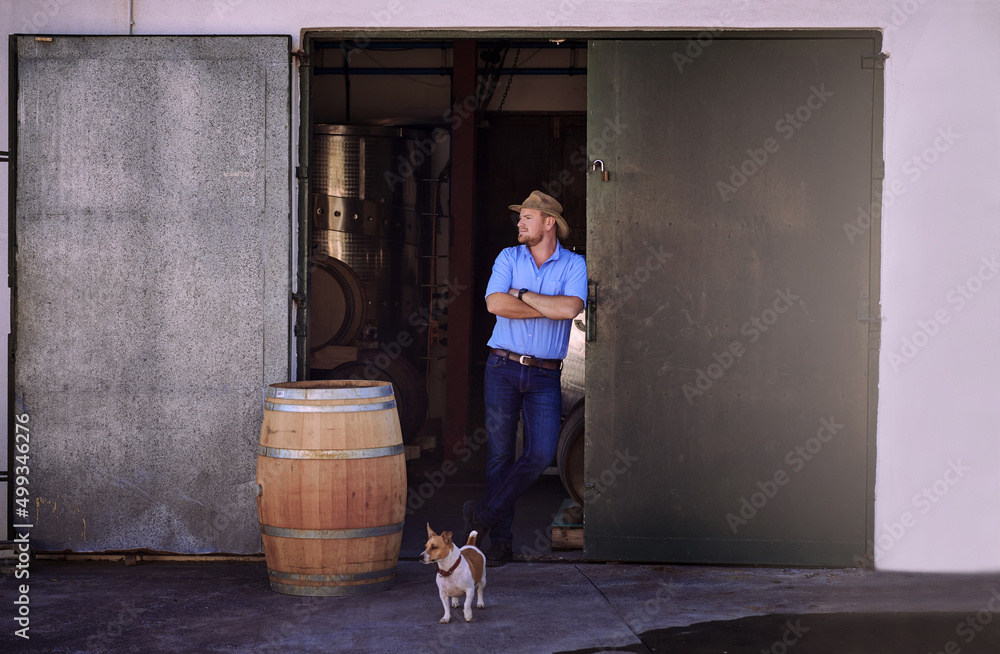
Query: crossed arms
<point>533,305</point>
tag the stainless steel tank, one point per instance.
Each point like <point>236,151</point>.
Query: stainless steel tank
<point>574,365</point>
<point>368,198</point>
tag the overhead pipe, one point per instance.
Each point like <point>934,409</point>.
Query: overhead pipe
<point>390,46</point>
<point>434,45</point>
<point>448,71</point>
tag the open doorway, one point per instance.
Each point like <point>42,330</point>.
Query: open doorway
<point>384,176</point>
<point>685,150</point>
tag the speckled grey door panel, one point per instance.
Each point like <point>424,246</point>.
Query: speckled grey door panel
<point>151,306</point>
<point>731,388</point>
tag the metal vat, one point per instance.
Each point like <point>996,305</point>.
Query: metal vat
<point>368,201</point>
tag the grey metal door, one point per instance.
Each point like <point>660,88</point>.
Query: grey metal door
<point>731,379</point>
<point>151,254</point>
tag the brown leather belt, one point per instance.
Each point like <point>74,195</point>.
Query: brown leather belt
<point>525,360</point>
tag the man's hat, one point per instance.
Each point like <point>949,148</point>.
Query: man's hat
<point>545,204</point>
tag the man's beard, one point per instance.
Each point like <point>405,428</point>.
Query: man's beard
<point>526,239</point>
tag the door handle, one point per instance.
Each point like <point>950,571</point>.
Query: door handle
<point>591,334</point>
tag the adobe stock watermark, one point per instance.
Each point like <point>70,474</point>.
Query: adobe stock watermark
<point>621,464</point>
<point>796,459</point>
<point>275,637</point>
<point>725,359</point>
<point>792,636</point>
<point>633,281</point>
<point>973,625</point>
<point>598,145</point>
<point>420,319</point>
<point>565,9</point>
<point>222,8</point>
<point>902,12</point>
<point>914,169</point>
<point>41,18</point>
<point>923,501</point>
<point>462,110</point>
<point>603,482</point>
<point>578,158</point>
<point>103,641</point>
<point>643,618</point>
<point>380,19</point>
<point>417,496</point>
<point>421,153</point>
<point>696,45</point>
<point>787,126</point>
<point>957,298</point>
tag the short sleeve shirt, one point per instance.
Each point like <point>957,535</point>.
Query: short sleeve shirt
<point>564,273</point>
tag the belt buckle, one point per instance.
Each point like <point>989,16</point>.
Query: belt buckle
<point>521,359</point>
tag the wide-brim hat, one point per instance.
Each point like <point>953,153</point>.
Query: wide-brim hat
<point>545,204</point>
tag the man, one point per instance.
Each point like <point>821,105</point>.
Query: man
<point>535,291</point>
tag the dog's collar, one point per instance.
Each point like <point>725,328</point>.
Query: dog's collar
<point>447,573</point>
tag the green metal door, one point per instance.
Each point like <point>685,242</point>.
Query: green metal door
<point>733,255</point>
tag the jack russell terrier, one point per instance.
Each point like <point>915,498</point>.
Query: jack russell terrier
<point>459,571</point>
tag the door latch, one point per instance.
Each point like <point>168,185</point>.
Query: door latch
<point>604,173</point>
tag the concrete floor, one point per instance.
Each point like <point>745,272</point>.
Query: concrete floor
<point>543,602</point>
<point>531,607</point>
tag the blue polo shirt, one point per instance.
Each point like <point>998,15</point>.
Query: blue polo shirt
<point>565,273</point>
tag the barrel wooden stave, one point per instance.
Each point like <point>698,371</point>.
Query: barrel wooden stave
<point>333,488</point>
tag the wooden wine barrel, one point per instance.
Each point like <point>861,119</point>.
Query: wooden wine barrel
<point>331,483</point>
<point>569,452</point>
<point>337,304</point>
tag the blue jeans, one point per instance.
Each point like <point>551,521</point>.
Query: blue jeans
<point>511,390</point>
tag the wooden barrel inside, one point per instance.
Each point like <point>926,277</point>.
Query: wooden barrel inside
<point>406,380</point>
<point>337,304</point>
<point>569,453</point>
<point>331,482</point>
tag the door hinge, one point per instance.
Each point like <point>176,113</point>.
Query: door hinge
<point>301,55</point>
<point>874,322</point>
<point>864,311</point>
<point>876,61</point>
<point>302,172</point>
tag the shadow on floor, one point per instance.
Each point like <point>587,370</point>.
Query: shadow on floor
<point>825,633</point>
<point>436,497</point>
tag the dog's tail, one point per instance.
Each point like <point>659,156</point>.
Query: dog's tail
<point>472,538</point>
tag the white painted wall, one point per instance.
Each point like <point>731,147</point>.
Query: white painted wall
<point>939,414</point>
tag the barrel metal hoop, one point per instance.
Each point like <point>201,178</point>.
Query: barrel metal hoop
<point>347,393</point>
<point>332,591</point>
<point>362,532</point>
<point>328,408</point>
<point>360,576</point>
<point>365,453</point>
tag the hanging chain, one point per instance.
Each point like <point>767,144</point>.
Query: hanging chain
<point>509,80</point>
